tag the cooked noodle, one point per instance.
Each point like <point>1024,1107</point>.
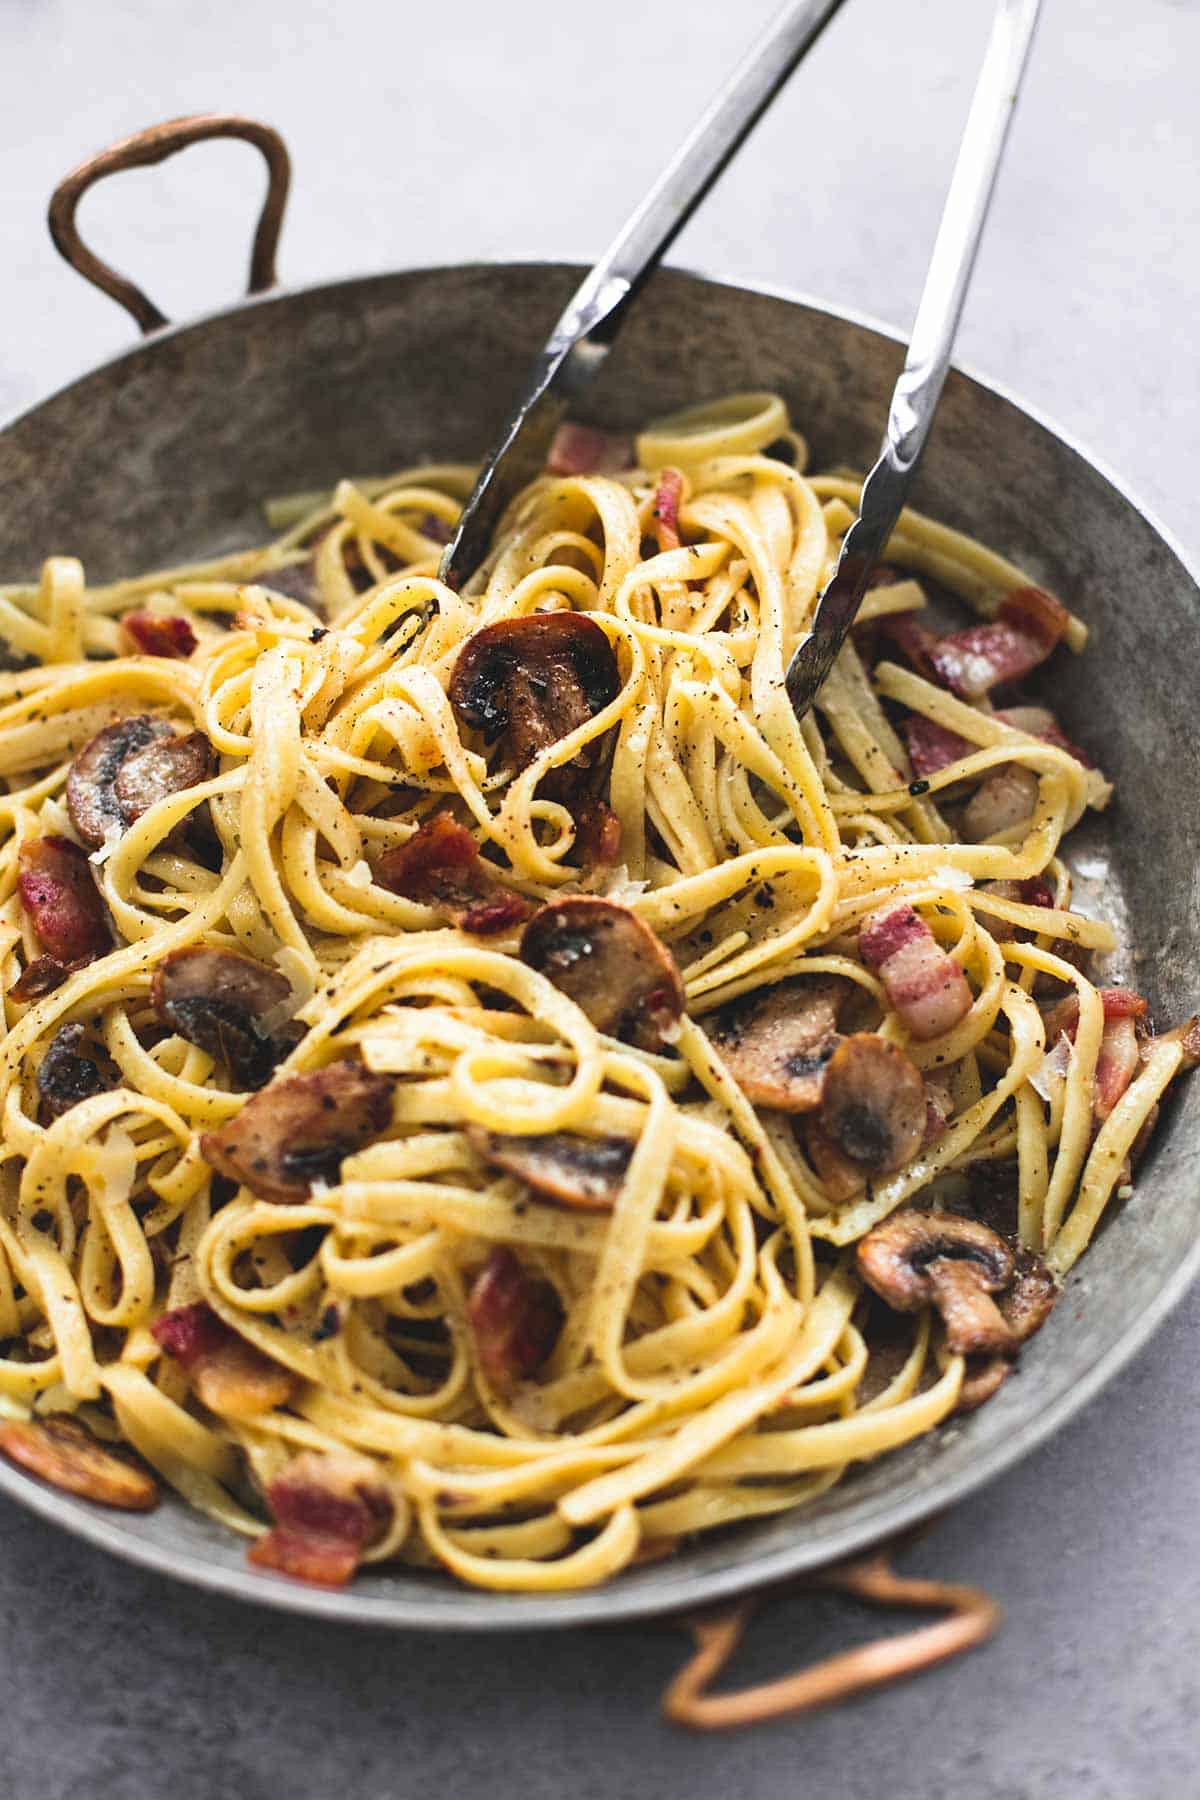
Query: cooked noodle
<point>715,1360</point>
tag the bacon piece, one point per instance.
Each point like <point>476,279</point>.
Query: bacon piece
<point>159,634</point>
<point>1035,891</point>
<point>230,1376</point>
<point>931,748</point>
<point>63,902</point>
<point>1041,723</point>
<point>440,866</point>
<point>1026,629</point>
<point>597,834</point>
<point>58,1449</point>
<point>584,450</point>
<point>915,642</point>
<point>926,987</point>
<point>328,1508</point>
<point>515,1319</point>
<point>1119,1053</point>
<point>667,496</point>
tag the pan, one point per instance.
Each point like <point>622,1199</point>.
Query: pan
<point>168,452</point>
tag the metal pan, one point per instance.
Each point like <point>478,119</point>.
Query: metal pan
<point>167,452</point>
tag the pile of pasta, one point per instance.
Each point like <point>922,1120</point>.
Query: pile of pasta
<point>484,1086</point>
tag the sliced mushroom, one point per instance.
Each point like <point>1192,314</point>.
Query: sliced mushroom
<point>299,1129</point>
<point>70,1071</point>
<point>584,1172</point>
<point>230,1376</point>
<point>1007,798</point>
<point>227,1004</point>
<point>515,1320</point>
<point>440,866</point>
<point>915,1259</point>
<point>58,891</point>
<point>60,1450</point>
<point>169,766</point>
<point>129,766</point>
<point>1026,1307</point>
<point>873,1103</point>
<point>159,634</point>
<point>328,1508</point>
<point>91,798</point>
<point>839,1176</point>
<point>776,1042</point>
<point>534,680</point>
<point>611,965</point>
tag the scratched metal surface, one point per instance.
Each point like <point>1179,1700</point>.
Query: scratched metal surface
<point>1092,1687</point>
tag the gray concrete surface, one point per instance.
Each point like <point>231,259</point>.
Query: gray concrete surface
<point>439,134</point>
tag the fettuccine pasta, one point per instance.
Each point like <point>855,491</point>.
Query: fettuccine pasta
<point>483,1086</point>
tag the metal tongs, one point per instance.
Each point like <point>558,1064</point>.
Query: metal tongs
<point>587,329</point>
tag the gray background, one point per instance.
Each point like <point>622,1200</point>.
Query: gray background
<point>423,135</point>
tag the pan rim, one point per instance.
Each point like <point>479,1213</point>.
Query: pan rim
<point>465,1610</point>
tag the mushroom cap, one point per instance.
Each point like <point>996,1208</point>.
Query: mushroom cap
<point>777,1042</point>
<point>91,796</point>
<point>544,646</point>
<point>60,1450</point>
<point>873,1103</point>
<point>583,1172</point>
<point>169,765</point>
<point>610,963</point>
<point>299,1129</point>
<point>227,1004</point>
<point>915,1259</point>
<point>69,1072</point>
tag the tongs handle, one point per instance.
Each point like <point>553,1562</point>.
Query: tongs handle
<point>919,388</point>
<point>589,324</point>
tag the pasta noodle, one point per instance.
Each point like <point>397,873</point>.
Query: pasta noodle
<point>542,1278</point>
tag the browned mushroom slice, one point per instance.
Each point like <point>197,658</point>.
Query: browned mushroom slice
<point>873,1103</point>
<point>298,1130</point>
<point>1026,1307</point>
<point>611,965</point>
<point>533,680</point>
<point>776,1042</point>
<point>839,1176</point>
<point>168,766</point>
<point>584,1172</point>
<point>91,796</point>
<point>225,1003</point>
<point>915,1259</point>
<point>72,1071</point>
<point>58,1449</point>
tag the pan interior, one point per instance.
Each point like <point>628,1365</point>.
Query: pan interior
<point>168,453</point>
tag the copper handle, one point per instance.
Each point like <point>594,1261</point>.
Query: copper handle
<point>970,1618</point>
<point>154,145</point>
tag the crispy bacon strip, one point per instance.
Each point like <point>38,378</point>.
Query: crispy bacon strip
<point>926,987</point>
<point>1041,723</point>
<point>230,1376</point>
<point>1026,629</point>
<point>1119,1055</point>
<point>440,866</point>
<point>515,1320</point>
<point>327,1509</point>
<point>931,748</point>
<point>159,634</point>
<point>667,496</point>
<point>915,642</point>
<point>584,450</point>
<point>63,902</point>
